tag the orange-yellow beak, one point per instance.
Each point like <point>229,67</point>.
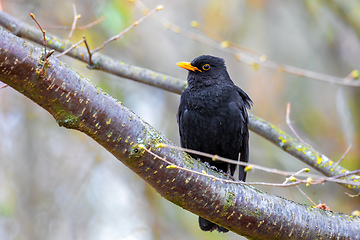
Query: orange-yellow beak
<point>188,66</point>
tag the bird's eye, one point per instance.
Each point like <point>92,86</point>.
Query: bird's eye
<point>206,67</point>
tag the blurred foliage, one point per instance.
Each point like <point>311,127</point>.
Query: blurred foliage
<point>58,184</point>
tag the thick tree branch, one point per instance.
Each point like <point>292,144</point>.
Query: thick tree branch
<point>77,104</point>
<point>297,149</point>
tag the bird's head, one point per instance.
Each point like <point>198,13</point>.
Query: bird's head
<point>205,69</point>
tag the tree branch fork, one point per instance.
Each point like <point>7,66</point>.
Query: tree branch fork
<point>77,104</point>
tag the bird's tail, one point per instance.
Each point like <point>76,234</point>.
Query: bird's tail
<point>206,225</point>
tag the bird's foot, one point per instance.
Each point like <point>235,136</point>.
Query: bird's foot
<point>228,172</point>
<point>209,166</point>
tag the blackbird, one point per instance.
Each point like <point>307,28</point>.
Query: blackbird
<point>212,118</point>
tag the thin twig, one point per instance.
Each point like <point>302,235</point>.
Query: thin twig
<point>350,195</point>
<point>172,166</point>
<point>4,86</point>
<point>43,32</point>
<point>346,174</point>
<point>72,47</point>
<point>322,206</point>
<point>292,177</point>
<point>45,43</point>
<point>343,156</point>
<point>310,178</point>
<point>160,7</point>
<point>76,17</point>
<point>219,158</point>
<point>83,27</point>
<point>303,193</point>
<point>93,23</point>
<point>88,50</point>
<point>50,53</point>
<point>288,122</point>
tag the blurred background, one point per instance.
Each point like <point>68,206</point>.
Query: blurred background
<point>59,184</point>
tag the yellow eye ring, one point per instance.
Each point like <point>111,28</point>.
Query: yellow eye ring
<point>206,67</point>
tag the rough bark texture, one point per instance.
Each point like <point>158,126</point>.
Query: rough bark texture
<point>77,104</point>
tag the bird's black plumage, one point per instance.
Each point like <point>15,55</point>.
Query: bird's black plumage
<point>212,118</point>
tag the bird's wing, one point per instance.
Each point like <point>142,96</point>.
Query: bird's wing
<point>179,117</point>
<point>244,104</point>
<point>244,156</point>
<point>246,99</point>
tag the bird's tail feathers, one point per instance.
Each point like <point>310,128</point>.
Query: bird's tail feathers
<point>206,225</point>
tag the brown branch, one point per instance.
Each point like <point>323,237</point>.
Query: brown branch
<point>41,29</point>
<point>44,42</point>
<point>88,51</point>
<point>77,104</point>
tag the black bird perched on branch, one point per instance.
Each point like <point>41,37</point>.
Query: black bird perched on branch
<point>212,118</point>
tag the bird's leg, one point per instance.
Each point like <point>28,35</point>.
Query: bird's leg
<point>210,166</point>
<point>228,172</point>
<point>206,163</point>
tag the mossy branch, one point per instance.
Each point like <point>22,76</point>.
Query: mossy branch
<point>301,151</point>
<point>101,62</point>
<point>77,104</point>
